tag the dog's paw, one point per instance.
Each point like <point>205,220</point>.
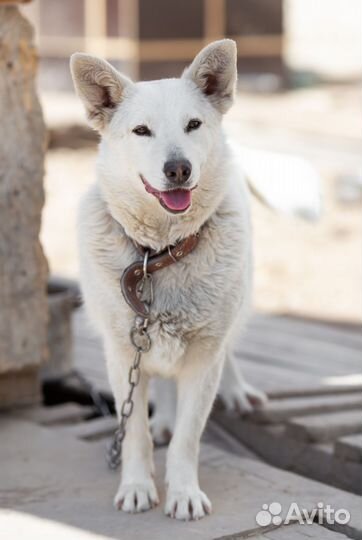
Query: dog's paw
<point>188,504</point>
<point>161,429</point>
<point>136,497</point>
<point>242,399</point>
<point>257,398</point>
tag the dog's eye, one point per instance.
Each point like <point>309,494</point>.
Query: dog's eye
<point>143,131</point>
<point>193,124</point>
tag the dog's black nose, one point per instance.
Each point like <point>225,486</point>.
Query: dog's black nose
<point>177,170</point>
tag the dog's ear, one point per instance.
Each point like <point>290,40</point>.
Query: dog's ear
<point>99,86</point>
<point>214,72</point>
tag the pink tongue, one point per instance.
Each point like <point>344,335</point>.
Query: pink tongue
<point>177,199</point>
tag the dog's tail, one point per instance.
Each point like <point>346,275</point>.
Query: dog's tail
<point>283,182</point>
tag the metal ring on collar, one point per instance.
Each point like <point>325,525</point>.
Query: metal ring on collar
<point>145,263</point>
<point>140,340</point>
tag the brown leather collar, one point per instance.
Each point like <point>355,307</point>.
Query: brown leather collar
<point>133,274</point>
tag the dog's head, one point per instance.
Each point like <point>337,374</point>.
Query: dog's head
<point>160,139</point>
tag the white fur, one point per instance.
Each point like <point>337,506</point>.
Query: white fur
<point>200,301</point>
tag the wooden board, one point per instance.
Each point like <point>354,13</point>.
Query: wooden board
<point>276,373</point>
<point>68,413</point>
<point>279,410</point>
<point>296,388</point>
<point>316,461</point>
<point>349,448</point>
<point>325,427</point>
<point>308,328</point>
<point>72,493</point>
<point>299,532</point>
<point>19,388</point>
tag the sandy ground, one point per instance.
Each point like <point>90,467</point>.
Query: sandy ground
<point>313,269</point>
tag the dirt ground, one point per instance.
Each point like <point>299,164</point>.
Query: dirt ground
<point>314,269</point>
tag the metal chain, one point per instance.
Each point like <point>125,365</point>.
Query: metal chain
<point>141,342</point>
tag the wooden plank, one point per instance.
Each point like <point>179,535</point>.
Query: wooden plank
<point>95,23</point>
<point>299,532</point>
<point>282,409</point>
<point>128,25</point>
<point>59,363</point>
<point>217,436</point>
<point>278,381</point>
<point>259,45</point>
<point>299,355</point>
<point>275,357</point>
<point>69,413</point>
<point>74,487</point>
<point>307,329</point>
<point>93,430</point>
<point>281,383</point>
<point>122,48</point>
<point>95,26</point>
<point>315,461</point>
<point>329,354</point>
<point>186,49</point>
<point>349,448</point>
<point>169,49</point>
<point>281,328</point>
<point>214,19</point>
<point>325,427</point>
<point>19,388</point>
<point>315,390</point>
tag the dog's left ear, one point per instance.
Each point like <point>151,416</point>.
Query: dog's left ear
<point>99,85</point>
<point>214,71</point>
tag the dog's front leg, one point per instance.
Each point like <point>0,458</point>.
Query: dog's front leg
<point>137,491</point>
<point>197,385</point>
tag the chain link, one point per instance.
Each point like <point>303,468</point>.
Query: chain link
<point>141,342</point>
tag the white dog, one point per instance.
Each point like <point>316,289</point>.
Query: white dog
<point>166,173</point>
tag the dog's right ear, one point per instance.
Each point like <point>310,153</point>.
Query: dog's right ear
<point>214,72</point>
<point>99,85</point>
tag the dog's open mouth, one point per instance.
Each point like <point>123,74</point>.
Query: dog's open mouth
<point>175,200</point>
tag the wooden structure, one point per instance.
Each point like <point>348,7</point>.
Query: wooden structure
<point>61,302</point>
<point>23,268</point>
<point>159,38</point>
<point>312,374</point>
<point>70,495</point>
<point>239,484</point>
